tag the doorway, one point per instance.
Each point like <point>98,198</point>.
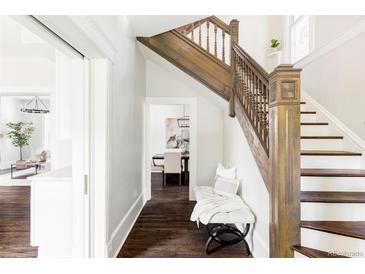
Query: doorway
<point>44,93</point>
<point>170,125</point>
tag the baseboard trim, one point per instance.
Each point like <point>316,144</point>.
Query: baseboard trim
<point>125,226</point>
<point>353,137</point>
<point>263,251</point>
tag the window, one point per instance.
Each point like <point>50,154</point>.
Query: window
<point>301,33</point>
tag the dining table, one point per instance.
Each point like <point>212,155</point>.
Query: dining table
<point>184,158</point>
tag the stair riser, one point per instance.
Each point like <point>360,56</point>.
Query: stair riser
<point>310,118</point>
<point>306,107</point>
<point>333,184</point>
<point>332,212</point>
<point>315,130</point>
<point>322,144</point>
<point>298,255</point>
<point>332,242</point>
<point>341,162</point>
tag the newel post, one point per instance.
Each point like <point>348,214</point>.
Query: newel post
<point>284,117</point>
<point>233,28</point>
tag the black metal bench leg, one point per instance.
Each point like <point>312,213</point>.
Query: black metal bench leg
<point>222,229</point>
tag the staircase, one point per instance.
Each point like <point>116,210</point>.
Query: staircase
<point>312,172</point>
<point>332,191</point>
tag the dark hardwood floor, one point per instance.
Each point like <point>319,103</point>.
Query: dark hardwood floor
<point>15,222</point>
<point>164,229</point>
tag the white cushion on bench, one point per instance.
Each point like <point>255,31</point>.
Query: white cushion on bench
<point>243,215</point>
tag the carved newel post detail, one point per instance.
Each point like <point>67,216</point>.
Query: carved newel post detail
<point>233,27</point>
<point>284,159</point>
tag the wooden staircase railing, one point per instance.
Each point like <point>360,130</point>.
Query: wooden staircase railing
<point>211,34</point>
<point>267,107</point>
<point>251,87</point>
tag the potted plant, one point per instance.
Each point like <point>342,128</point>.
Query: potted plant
<point>274,44</point>
<point>20,134</point>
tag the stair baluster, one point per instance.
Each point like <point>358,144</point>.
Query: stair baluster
<point>200,35</point>
<point>208,50</point>
<point>215,41</point>
<point>223,46</point>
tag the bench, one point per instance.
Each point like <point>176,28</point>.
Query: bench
<point>223,224</point>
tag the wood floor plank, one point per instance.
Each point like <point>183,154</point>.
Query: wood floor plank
<point>15,223</point>
<point>164,229</point>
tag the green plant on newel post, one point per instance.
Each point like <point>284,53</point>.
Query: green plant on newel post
<point>275,44</point>
<point>20,134</point>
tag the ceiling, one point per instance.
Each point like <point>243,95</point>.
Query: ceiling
<point>18,42</point>
<point>149,25</point>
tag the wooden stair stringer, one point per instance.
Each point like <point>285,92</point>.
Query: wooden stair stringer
<point>258,151</point>
<point>193,60</point>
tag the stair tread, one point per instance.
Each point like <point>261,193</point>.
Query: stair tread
<point>321,137</point>
<point>314,124</point>
<point>329,153</point>
<point>314,253</point>
<point>332,197</point>
<point>345,228</point>
<point>325,172</point>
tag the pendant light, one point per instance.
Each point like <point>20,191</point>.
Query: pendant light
<point>35,105</point>
<point>184,121</point>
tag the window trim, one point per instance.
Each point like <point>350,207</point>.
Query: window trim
<point>291,24</point>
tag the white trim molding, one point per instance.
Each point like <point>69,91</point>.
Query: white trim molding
<point>351,33</point>
<point>260,248</point>
<point>83,33</point>
<point>125,226</point>
<point>353,137</point>
<point>26,90</point>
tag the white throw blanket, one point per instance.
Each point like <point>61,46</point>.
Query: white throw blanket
<point>206,208</point>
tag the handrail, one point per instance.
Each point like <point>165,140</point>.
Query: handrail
<point>256,65</point>
<point>186,29</point>
<point>220,24</point>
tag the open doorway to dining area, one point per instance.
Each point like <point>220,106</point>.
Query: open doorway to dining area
<point>170,142</point>
<point>170,145</point>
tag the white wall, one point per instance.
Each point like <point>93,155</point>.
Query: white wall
<point>336,79</point>
<point>125,130</point>
<point>163,83</point>
<point>328,27</point>
<point>252,187</point>
<point>26,61</point>
<point>255,33</point>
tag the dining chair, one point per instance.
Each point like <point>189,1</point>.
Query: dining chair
<point>172,164</point>
<point>158,169</point>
